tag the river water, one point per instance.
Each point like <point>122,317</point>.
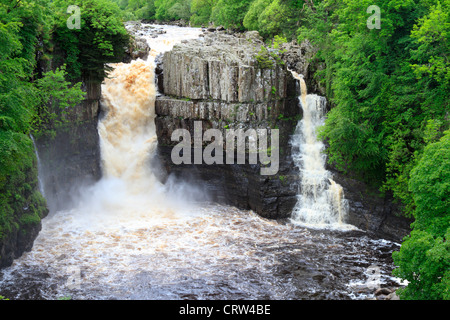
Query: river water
<point>132,237</point>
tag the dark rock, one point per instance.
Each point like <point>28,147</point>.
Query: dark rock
<point>17,241</point>
<point>371,210</point>
<point>383,291</point>
<point>71,158</point>
<point>139,49</point>
<point>218,83</point>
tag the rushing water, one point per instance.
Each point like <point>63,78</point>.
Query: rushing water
<point>132,237</point>
<point>321,202</point>
<point>40,183</point>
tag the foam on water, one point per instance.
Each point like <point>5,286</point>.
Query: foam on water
<point>132,237</point>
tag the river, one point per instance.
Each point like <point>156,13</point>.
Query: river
<point>132,237</point>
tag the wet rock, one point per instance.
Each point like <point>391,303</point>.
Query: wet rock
<point>217,81</point>
<point>383,291</point>
<point>71,158</point>
<point>392,296</point>
<point>298,57</point>
<point>370,210</point>
<point>139,48</point>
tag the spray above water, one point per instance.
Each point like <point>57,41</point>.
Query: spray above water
<point>128,142</point>
<point>321,202</point>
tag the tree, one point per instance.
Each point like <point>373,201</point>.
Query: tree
<point>251,19</point>
<point>424,258</point>
<point>201,11</point>
<point>230,13</point>
<point>278,18</point>
<point>169,10</point>
<point>55,95</point>
<point>101,39</point>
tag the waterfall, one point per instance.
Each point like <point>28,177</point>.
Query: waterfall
<point>39,165</point>
<point>321,202</point>
<point>128,139</point>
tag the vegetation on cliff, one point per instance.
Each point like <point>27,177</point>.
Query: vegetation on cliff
<point>390,89</point>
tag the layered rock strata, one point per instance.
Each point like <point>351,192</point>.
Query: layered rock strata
<point>216,81</point>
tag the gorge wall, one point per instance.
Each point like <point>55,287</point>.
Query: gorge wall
<point>70,158</point>
<point>217,80</point>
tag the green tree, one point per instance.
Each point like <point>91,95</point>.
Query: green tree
<point>277,18</point>
<point>55,97</point>
<point>201,11</point>
<point>101,39</point>
<point>230,13</point>
<point>251,19</point>
<point>424,258</point>
<point>170,10</point>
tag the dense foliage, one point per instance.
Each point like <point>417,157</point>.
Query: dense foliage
<point>424,258</point>
<point>101,38</point>
<point>270,17</point>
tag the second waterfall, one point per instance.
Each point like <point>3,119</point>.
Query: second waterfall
<point>321,201</point>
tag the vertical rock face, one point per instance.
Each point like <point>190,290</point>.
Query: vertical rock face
<point>372,211</point>
<point>71,158</point>
<point>217,81</point>
<point>23,215</point>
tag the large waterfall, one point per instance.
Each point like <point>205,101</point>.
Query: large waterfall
<point>321,201</point>
<point>128,140</point>
<point>132,237</point>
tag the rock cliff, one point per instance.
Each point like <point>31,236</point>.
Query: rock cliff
<point>217,81</point>
<point>71,157</point>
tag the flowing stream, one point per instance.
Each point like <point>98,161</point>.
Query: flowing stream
<point>133,238</point>
<point>321,202</point>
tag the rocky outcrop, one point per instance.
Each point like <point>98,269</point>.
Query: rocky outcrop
<point>299,58</point>
<point>139,48</point>
<point>371,210</point>
<point>216,81</point>
<point>71,157</point>
<point>21,215</point>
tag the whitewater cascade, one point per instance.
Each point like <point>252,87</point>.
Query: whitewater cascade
<point>128,139</point>
<point>321,202</point>
<point>39,166</point>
